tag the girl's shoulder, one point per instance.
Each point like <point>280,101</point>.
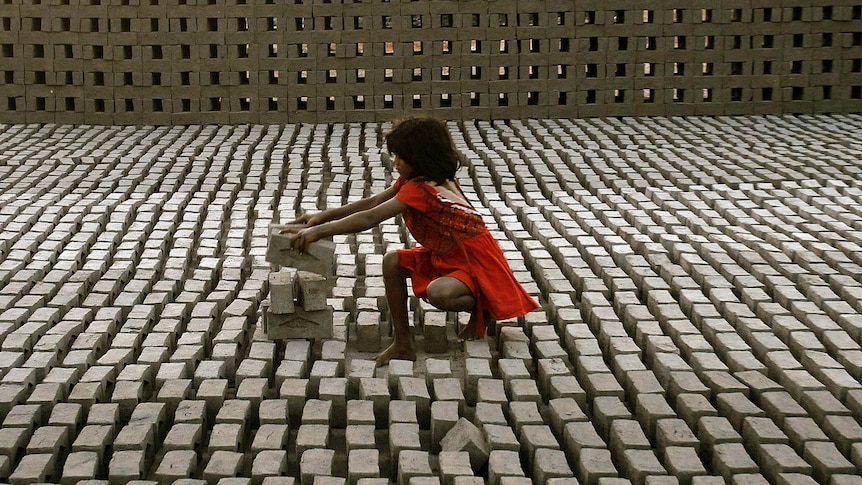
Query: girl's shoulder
<point>415,183</point>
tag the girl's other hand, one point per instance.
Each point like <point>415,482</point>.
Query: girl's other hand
<point>302,238</point>
<point>308,219</point>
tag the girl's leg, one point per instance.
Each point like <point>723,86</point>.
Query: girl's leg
<point>395,283</point>
<point>451,294</point>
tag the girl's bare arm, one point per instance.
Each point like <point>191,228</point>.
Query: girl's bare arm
<point>355,222</point>
<point>337,213</point>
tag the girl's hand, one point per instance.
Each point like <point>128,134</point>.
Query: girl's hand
<point>309,219</point>
<point>302,238</point>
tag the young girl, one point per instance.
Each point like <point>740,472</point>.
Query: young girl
<point>458,267</point>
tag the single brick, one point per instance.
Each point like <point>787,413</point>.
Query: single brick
<point>317,411</point>
<point>412,464</point>
<point>35,468</point>
<point>503,463</point>
<point>294,391</point>
<point>594,464</point>
<point>444,415</point>
<point>360,411</point>
<point>184,436</point>
<point>640,464</point>
<point>268,463</point>
<point>176,464</point>
<point>489,413</point>
<point>524,413</point>
<point>367,331</point>
<point>315,462</point>
<point>434,332</point>
<point>627,434</point>
<point>223,464</point>
<point>334,390</point>
<point>454,464</point>
<point>414,389</point>
<point>273,411</point>
<point>376,390</point>
<point>310,436</point>
<point>683,463</point>
<point>81,465</point>
<point>358,436</point>
<point>362,463</point>
<point>549,464</point>
<point>319,258</point>
<point>281,291</point>
<point>270,436</point>
<point>311,290</point>
<point>730,459</point>
<point>449,389</point>
<point>500,437</point>
<point>127,465</point>
<point>464,436</point>
<point>826,460</point>
<point>227,437</point>
<point>491,391</point>
<point>312,324</point>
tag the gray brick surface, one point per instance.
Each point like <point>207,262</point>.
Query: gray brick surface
<point>700,316</point>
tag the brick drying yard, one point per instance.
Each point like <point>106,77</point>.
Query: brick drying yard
<point>700,282</point>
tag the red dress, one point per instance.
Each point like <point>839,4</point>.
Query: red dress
<point>456,242</point>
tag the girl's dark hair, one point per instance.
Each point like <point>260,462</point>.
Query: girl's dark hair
<point>426,144</point>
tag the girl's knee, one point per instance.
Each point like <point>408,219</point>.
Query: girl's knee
<point>391,263</point>
<point>450,294</point>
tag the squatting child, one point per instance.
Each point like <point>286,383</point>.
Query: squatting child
<point>458,267</point>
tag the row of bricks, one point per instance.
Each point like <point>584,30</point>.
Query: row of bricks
<point>410,17</point>
<point>132,382</point>
<point>521,413</point>
<point>572,401</point>
<point>188,344</point>
<point>612,134</point>
<point>387,114</point>
<point>731,404</point>
<point>132,68</point>
<point>624,456</point>
<point>361,412</point>
<point>736,12</point>
<point>332,94</point>
<point>315,468</point>
<point>334,100</point>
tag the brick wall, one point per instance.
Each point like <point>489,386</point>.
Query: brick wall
<point>286,61</point>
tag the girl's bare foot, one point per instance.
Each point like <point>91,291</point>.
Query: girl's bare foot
<point>395,352</point>
<point>490,327</point>
<point>468,332</point>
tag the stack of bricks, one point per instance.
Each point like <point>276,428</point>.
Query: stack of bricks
<point>318,61</point>
<point>297,307</point>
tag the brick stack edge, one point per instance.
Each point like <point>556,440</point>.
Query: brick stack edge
<point>297,307</point>
<point>165,62</point>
